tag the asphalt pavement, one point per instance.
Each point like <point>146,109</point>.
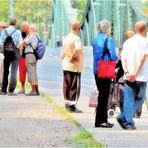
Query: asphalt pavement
<point>51,84</point>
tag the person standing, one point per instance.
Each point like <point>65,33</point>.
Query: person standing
<point>2,27</point>
<point>31,42</point>
<point>73,64</point>
<point>11,56</point>
<point>22,62</point>
<point>120,72</point>
<point>135,75</point>
<point>103,84</point>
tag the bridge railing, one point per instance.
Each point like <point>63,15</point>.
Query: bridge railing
<point>122,14</point>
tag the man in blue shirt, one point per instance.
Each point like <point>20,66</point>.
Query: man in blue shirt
<point>10,58</point>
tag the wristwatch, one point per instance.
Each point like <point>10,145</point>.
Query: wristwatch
<point>126,72</point>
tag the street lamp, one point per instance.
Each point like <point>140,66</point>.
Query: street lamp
<point>11,8</point>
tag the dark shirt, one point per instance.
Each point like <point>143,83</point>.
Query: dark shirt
<point>120,72</point>
<point>23,51</point>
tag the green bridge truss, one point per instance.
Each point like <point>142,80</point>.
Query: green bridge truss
<point>122,14</point>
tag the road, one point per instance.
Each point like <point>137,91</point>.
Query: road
<point>50,71</point>
<point>50,76</point>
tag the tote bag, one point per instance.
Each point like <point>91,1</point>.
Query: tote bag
<point>93,101</point>
<point>106,68</point>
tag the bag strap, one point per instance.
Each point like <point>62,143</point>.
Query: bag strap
<point>105,50</point>
<point>11,33</point>
<point>38,41</point>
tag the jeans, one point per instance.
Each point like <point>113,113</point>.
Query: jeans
<point>134,95</point>
<point>10,60</point>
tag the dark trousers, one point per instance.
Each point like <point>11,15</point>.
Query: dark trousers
<point>10,59</point>
<point>71,85</point>
<point>103,86</point>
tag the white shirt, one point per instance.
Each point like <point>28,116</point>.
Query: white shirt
<point>133,49</point>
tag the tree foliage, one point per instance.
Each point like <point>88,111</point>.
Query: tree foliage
<point>33,11</point>
<point>145,9</point>
<point>4,10</point>
<point>80,5</point>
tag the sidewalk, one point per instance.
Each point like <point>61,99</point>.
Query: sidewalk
<point>115,137</point>
<point>30,121</point>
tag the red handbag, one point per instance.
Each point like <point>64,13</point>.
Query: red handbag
<point>106,68</point>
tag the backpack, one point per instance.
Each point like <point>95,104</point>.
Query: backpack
<point>40,49</point>
<point>9,45</point>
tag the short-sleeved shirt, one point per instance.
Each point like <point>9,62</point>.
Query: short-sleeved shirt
<point>133,50</point>
<point>16,36</point>
<point>32,42</point>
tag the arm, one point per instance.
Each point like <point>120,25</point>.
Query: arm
<point>77,50</point>
<point>129,77</point>
<point>62,54</point>
<point>2,38</point>
<point>141,63</point>
<point>125,69</point>
<point>112,48</point>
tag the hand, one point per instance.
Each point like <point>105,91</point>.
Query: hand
<point>20,47</point>
<point>131,77</point>
<point>74,59</point>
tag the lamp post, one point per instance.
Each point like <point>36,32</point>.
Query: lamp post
<point>11,8</point>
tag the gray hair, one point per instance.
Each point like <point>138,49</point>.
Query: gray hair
<point>104,26</point>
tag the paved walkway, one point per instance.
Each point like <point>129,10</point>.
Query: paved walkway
<point>115,137</point>
<point>32,122</point>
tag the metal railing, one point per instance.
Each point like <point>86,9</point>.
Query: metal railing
<point>122,14</point>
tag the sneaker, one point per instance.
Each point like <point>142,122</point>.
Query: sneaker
<point>73,109</point>
<point>121,123</point>
<point>32,93</point>
<point>11,94</point>
<point>136,116</point>
<point>67,106</point>
<point>130,127</point>
<point>21,92</point>
<point>3,93</point>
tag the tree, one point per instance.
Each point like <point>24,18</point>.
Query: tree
<point>80,5</point>
<point>4,10</point>
<point>145,9</point>
<point>33,11</point>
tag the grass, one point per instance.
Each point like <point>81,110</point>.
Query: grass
<point>84,137</point>
<point>87,139</point>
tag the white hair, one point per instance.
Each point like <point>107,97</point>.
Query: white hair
<point>104,26</point>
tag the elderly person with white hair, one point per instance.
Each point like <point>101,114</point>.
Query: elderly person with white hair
<point>103,84</point>
<point>31,42</point>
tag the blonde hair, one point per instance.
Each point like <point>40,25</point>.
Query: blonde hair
<point>33,27</point>
<point>128,34</point>
<point>140,26</point>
